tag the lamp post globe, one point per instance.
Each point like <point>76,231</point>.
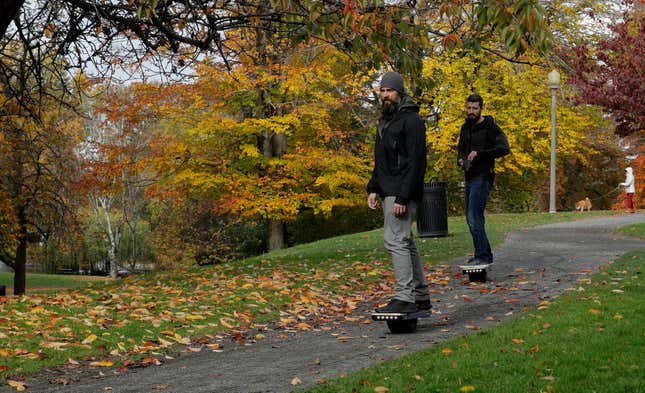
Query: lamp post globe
<point>554,79</point>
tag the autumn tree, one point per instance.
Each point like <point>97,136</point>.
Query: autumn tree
<point>116,152</point>
<point>301,107</point>
<point>38,164</point>
<point>166,36</point>
<point>610,73</point>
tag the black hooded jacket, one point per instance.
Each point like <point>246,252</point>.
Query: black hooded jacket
<point>488,140</point>
<point>400,155</point>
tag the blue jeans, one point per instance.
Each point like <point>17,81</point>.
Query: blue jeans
<point>476,194</point>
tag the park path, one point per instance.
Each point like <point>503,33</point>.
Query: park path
<point>533,265</point>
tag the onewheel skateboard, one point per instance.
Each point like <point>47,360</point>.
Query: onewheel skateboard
<point>475,272</point>
<point>400,322</point>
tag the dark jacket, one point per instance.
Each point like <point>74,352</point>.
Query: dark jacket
<point>488,140</point>
<point>400,155</point>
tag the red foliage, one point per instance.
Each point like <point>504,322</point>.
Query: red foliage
<point>613,76</point>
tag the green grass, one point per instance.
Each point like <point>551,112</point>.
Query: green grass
<point>367,245</point>
<point>139,316</point>
<point>586,341</point>
<point>635,230</point>
<point>55,281</point>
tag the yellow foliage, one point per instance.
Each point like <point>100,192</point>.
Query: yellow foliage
<point>519,100</point>
<point>224,118</point>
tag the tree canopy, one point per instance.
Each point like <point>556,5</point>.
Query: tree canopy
<point>610,74</point>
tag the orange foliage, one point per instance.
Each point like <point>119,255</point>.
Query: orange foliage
<point>216,127</point>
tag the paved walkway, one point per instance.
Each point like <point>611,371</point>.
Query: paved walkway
<point>531,266</point>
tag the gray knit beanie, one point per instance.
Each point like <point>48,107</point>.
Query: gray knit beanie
<point>393,80</point>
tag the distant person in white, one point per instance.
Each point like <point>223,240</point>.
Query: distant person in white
<point>630,188</point>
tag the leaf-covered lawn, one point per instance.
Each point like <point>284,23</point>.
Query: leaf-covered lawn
<point>133,322</point>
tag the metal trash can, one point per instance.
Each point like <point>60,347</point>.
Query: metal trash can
<point>432,214</point>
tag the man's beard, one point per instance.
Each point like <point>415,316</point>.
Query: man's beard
<point>388,110</point>
<point>470,119</point>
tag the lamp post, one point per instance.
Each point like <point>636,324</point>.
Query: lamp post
<point>554,81</point>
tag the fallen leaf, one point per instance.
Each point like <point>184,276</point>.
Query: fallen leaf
<point>446,351</point>
<point>296,381</point>
<point>225,322</point>
<point>381,389</point>
<point>618,317</point>
<point>54,345</point>
<point>467,388</point>
<point>102,363</point>
<point>595,311</point>
<point>162,386</point>
<point>90,339</point>
<point>4,368</point>
<point>303,326</point>
<point>182,340</point>
<point>20,386</point>
<point>517,340</point>
<point>151,360</point>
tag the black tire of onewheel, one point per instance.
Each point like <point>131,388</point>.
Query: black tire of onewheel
<point>402,326</point>
<point>477,277</point>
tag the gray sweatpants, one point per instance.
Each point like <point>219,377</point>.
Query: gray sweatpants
<point>411,283</point>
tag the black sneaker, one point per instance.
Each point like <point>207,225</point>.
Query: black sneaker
<point>397,306</point>
<point>423,305</point>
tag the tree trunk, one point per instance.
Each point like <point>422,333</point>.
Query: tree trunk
<point>8,10</point>
<point>102,206</point>
<point>274,145</point>
<point>275,235</point>
<point>20,263</point>
<point>114,266</point>
<point>113,242</point>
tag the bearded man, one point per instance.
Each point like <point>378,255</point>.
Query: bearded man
<point>481,141</point>
<point>397,179</point>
